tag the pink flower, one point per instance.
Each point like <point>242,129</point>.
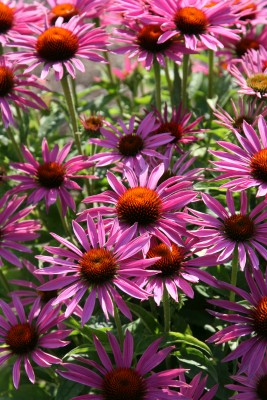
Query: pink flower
<point>246,110</point>
<point>155,208</point>
<point>195,21</point>
<point>246,164</point>
<point>15,18</point>
<point>52,178</point>
<point>60,47</point>
<point>122,380</point>
<point>244,232</point>
<point>14,89</point>
<point>175,270</point>
<point>250,12</point>
<point>70,8</point>
<point>142,41</point>
<point>246,319</point>
<point>178,125</point>
<point>250,387</point>
<point>197,388</point>
<point>132,145</point>
<point>106,262</point>
<point>13,230</point>
<point>24,337</point>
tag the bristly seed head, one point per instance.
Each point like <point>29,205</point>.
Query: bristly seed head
<point>98,266</point>
<point>22,338</point>
<point>261,387</point>
<point>57,44</point>
<point>130,145</point>
<point>148,37</point>
<point>258,83</point>
<point>123,384</point>
<point>65,10</point>
<point>50,175</point>
<point>6,18</point>
<point>139,204</point>
<point>259,317</point>
<point>7,81</point>
<point>258,165</point>
<point>191,21</point>
<point>171,258</point>
<point>175,129</point>
<point>239,228</point>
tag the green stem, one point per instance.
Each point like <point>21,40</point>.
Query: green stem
<point>184,83</point>
<point>156,68</point>
<point>166,309</point>
<point>63,219</point>
<point>4,282</point>
<point>211,65</point>
<point>71,107</point>
<point>15,144</point>
<point>234,273</point>
<point>111,79</point>
<point>177,86</point>
<point>169,82</point>
<point>118,325</point>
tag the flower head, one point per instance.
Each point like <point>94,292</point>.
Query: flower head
<point>131,145</point>
<point>13,231</point>
<point>142,41</point>
<point>105,263</point>
<point>14,88</point>
<point>24,337</point>
<point>241,231</point>
<point>123,380</point>
<point>176,269</point>
<point>250,12</point>
<point>60,47</point>
<point>70,8</point>
<point>155,208</point>
<point>250,387</point>
<point>52,178</point>
<point>178,125</point>
<point>245,319</point>
<point>245,165</point>
<point>195,23</point>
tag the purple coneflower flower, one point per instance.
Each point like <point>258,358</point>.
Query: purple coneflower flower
<point>15,18</point>
<point>175,270</point>
<point>244,232</point>
<point>246,110</point>
<point>255,83</point>
<point>69,8</point>
<point>13,230</point>
<point>24,337</point>
<point>52,178</point>
<point>196,391</point>
<point>245,165</point>
<point>122,380</point>
<point>182,131</point>
<point>60,47</point>
<point>195,21</point>
<point>104,264</point>
<point>250,319</point>
<point>250,387</point>
<point>250,13</point>
<point>155,208</point>
<point>132,145</point>
<point>14,86</point>
<point>142,41</point>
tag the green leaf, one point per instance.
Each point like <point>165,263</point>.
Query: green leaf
<point>150,322</point>
<point>177,337</point>
<point>26,392</point>
<point>68,389</point>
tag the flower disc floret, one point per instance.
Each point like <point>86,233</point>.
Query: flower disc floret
<point>148,37</point>
<point>174,128</point>
<point>6,81</point>
<point>123,383</point>
<point>139,204</point>
<point>22,338</point>
<point>171,258</point>
<point>261,388</point>
<point>258,165</point>
<point>57,44</point>
<point>6,18</point>
<point>245,44</point>
<point>259,316</point>
<point>98,266</point>
<point>130,145</point>
<point>191,21</point>
<point>65,10</point>
<point>50,175</point>
<point>239,227</point>
<point>258,83</point>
